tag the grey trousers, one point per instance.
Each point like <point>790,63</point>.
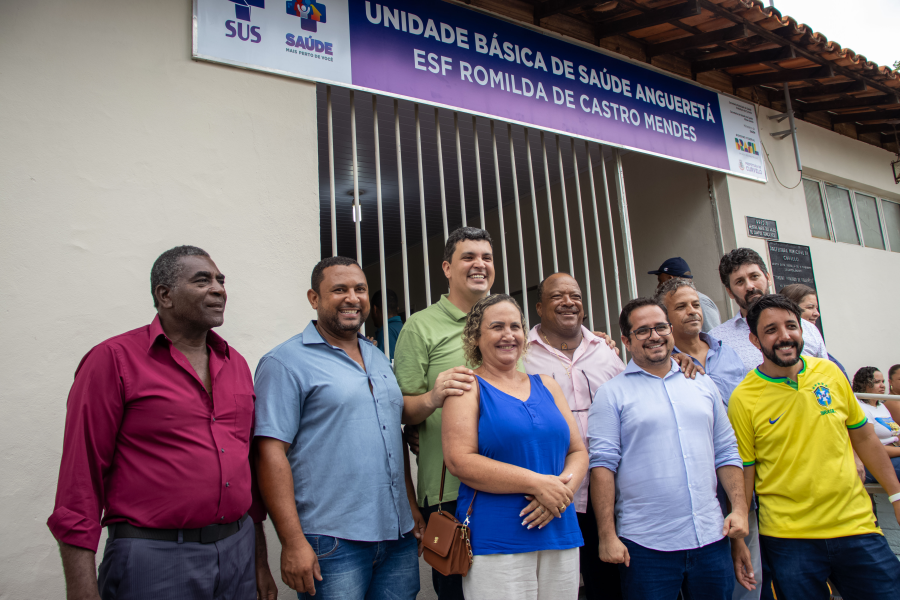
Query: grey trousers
<point>135,569</point>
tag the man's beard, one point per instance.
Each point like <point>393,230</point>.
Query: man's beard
<point>771,355</point>
<point>749,299</point>
<point>335,321</point>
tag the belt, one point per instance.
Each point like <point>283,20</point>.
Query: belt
<point>204,535</point>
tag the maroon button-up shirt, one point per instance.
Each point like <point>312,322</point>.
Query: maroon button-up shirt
<point>146,444</point>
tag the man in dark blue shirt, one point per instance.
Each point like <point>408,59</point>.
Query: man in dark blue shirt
<point>395,323</point>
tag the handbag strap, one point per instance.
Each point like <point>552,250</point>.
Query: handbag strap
<point>441,498</point>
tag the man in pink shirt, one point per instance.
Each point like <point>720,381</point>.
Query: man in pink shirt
<point>580,362</point>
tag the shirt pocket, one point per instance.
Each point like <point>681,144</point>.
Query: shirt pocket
<point>392,390</point>
<point>243,416</point>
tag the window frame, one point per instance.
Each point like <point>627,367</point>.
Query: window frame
<point>887,238</point>
<point>829,217</point>
<point>862,238</point>
<point>826,211</point>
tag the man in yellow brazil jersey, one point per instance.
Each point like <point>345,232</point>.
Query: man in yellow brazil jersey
<point>793,417</point>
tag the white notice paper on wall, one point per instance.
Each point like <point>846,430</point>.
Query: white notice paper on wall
<point>742,138</point>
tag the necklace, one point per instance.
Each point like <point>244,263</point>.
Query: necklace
<point>563,346</point>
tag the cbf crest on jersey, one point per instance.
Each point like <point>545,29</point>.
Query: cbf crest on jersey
<point>823,397</point>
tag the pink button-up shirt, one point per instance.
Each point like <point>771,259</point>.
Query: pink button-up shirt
<point>592,365</point>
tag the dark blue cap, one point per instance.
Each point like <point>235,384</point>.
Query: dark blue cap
<point>677,267</point>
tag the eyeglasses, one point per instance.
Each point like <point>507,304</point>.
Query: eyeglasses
<point>644,333</point>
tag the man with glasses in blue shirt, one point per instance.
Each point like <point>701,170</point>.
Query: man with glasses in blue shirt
<point>658,443</point>
<point>727,370</point>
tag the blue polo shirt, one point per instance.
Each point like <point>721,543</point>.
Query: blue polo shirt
<point>343,426</point>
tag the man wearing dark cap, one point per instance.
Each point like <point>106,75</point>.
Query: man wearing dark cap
<point>678,267</point>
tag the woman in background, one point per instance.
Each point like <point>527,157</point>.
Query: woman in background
<point>894,379</point>
<point>869,380</point>
<point>808,301</point>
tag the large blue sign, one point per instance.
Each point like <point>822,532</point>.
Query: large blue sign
<point>452,56</point>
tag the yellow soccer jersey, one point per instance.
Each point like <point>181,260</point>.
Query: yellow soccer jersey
<point>796,436</point>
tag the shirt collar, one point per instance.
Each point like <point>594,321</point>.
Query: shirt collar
<point>213,339</point>
<point>535,336</point>
<point>714,343</point>
<point>395,319</point>
<point>633,368</point>
<point>707,339</point>
<point>785,380</point>
<point>450,308</point>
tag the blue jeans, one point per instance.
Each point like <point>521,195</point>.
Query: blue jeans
<point>365,570</point>
<point>862,567</point>
<point>704,573</point>
<point>894,461</point>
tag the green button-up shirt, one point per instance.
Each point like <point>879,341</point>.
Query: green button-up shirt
<point>429,344</point>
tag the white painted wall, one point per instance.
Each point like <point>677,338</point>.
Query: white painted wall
<point>115,146</point>
<point>671,215</point>
<point>858,287</point>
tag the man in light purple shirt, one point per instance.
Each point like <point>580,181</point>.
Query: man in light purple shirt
<point>580,362</point>
<point>746,279</point>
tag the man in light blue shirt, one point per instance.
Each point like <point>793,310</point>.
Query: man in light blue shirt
<point>721,362</point>
<point>658,441</point>
<point>332,466</point>
<point>727,370</point>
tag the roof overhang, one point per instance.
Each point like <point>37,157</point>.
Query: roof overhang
<point>739,47</point>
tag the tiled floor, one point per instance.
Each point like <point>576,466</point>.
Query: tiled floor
<point>426,592</point>
<point>887,522</point>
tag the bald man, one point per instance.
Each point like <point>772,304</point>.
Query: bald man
<point>580,362</point>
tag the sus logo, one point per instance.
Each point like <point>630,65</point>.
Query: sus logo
<point>242,8</point>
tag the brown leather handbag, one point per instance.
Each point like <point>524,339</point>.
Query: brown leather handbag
<point>448,548</point>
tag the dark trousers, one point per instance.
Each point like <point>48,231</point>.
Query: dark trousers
<point>135,569</point>
<point>704,573</point>
<point>862,567</point>
<point>894,461</point>
<point>447,587</point>
<point>601,580</point>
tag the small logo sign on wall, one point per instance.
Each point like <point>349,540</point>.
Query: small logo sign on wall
<point>762,228</point>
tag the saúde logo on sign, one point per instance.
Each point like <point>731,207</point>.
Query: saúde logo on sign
<point>240,30</point>
<point>311,14</point>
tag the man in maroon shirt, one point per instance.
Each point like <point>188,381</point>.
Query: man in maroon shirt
<point>158,429</point>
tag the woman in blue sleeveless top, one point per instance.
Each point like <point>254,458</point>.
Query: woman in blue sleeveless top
<point>513,443</point>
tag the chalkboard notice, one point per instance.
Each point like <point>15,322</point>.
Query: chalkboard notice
<point>762,228</point>
<point>792,264</point>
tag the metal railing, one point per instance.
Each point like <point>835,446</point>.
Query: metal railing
<point>569,173</point>
<point>879,397</point>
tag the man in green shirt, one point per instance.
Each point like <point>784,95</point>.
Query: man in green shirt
<point>430,366</point>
